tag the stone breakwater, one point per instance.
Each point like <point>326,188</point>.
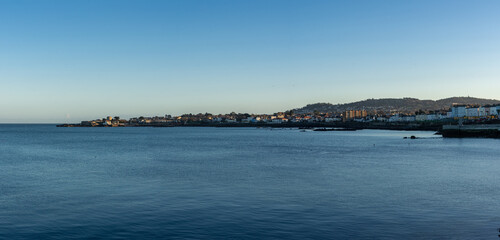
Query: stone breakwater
<point>471,131</point>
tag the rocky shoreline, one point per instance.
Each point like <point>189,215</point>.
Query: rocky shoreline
<point>447,130</point>
<point>340,125</point>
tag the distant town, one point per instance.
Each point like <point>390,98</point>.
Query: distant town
<point>357,118</point>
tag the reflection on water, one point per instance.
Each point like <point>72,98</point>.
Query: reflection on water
<point>245,183</point>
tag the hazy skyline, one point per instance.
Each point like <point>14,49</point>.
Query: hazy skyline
<point>66,61</point>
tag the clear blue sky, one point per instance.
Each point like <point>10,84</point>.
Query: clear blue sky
<point>67,61</point>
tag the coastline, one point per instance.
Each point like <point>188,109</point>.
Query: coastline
<point>341,125</point>
<point>446,130</point>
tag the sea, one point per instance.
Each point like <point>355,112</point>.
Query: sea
<point>245,183</point>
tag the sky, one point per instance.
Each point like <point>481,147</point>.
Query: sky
<point>68,61</point>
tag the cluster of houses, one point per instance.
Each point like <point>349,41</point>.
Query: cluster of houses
<point>454,113</point>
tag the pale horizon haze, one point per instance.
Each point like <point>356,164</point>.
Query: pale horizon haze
<point>68,61</point>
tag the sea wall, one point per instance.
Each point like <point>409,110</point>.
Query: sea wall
<point>471,131</point>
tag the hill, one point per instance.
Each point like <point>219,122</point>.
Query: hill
<point>408,105</point>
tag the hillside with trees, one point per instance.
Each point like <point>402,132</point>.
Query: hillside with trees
<point>409,105</point>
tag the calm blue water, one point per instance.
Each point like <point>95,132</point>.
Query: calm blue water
<point>245,183</point>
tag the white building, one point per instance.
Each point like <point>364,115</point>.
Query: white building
<point>458,111</point>
<point>332,119</point>
<point>278,121</point>
<point>382,119</point>
<point>395,118</point>
<point>493,111</point>
<point>409,118</point>
<point>421,118</point>
<point>472,112</point>
<point>432,117</point>
<point>217,119</point>
<point>482,112</point>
